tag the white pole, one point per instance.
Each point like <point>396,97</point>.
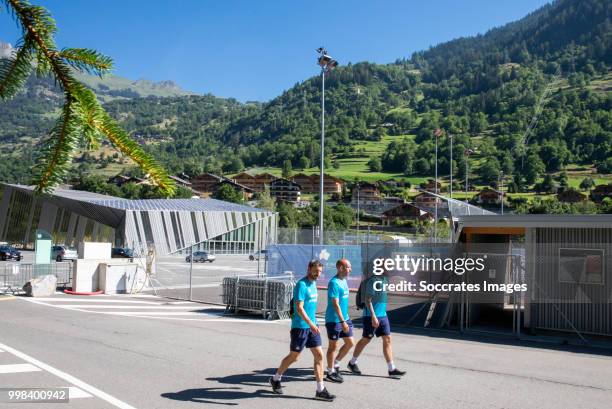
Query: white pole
<point>451,165</point>
<point>436,197</point>
<point>467,161</point>
<point>321,200</point>
<point>357,209</point>
<point>501,191</point>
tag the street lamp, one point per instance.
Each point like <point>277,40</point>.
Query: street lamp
<point>327,64</point>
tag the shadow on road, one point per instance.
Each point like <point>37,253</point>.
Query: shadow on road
<point>258,378</point>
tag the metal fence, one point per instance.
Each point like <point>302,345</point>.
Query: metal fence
<point>568,281</point>
<point>365,234</point>
<point>13,276</point>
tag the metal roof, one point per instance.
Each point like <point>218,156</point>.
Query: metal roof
<point>458,208</point>
<point>188,205</point>
<point>539,220</point>
<point>192,205</point>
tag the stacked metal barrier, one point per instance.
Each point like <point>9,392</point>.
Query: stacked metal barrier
<point>13,276</point>
<point>270,297</point>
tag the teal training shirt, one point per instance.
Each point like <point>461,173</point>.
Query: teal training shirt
<point>337,288</point>
<point>305,290</point>
<point>379,298</point>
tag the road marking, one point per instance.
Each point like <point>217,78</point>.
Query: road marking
<point>162,313</point>
<point>69,378</point>
<point>15,368</point>
<point>136,307</point>
<point>76,393</point>
<point>93,300</point>
<point>202,317</point>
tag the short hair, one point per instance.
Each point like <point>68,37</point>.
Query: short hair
<point>341,262</point>
<point>314,263</point>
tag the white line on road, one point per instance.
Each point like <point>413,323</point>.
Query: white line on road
<point>76,393</point>
<point>201,316</point>
<point>93,300</point>
<point>139,307</point>
<point>15,368</point>
<point>162,313</point>
<point>69,378</point>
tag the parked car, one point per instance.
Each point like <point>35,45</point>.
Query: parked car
<point>61,253</point>
<point>259,254</point>
<point>9,253</point>
<point>122,252</point>
<point>201,256</point>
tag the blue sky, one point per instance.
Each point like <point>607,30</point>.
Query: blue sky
<point>253,50</point>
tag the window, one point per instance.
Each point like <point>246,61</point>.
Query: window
<point>581,266</point>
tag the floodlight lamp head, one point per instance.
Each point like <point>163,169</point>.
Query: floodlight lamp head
<point>324,60</point>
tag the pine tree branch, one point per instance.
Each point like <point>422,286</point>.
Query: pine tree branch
<point>61,144</point>
<point>82,116</point>
<point>86,60</point>
<point>121,140</point>
<point>15,71</point>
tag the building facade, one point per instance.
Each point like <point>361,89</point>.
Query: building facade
<point>285,190</point>
<point>165,225</point>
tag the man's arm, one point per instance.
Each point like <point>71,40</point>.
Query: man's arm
<point>336,305</point>
<point>370,307</point>
<point>302,313</point>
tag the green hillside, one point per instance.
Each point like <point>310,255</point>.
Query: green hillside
<point>484,90</point>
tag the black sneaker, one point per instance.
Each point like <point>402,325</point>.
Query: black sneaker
<point>325,395</point>
<point>396,373</point>
<point>276,386</point>
<point>335,377</point>
<point>354,368</point>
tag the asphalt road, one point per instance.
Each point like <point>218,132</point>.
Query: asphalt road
<point>149,352</point>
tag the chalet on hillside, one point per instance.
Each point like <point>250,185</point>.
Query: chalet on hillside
<point>181,182</point>
<point>404,212</point>
<point>367,193</point>
<point>121,180</point>
<point>426,200</point>
<point>247,192</point>
<point>571,196</point>
<point>245,179</point>
<point>432,186</point>
<point>285,190</point>
<point>600,192</point>
<point>203,183</point>
<point>489,197</point>
<point>310,183</point>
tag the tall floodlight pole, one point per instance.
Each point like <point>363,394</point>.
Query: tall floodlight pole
<point>327,64</point>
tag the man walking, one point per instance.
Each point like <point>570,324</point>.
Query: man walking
<point>376,322</point>
<point>305,331</point>
<point>337,320</point>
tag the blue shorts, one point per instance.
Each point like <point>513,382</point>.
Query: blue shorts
<point>304,337</point>
<point>383,327</point>
<point>334,330</point>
